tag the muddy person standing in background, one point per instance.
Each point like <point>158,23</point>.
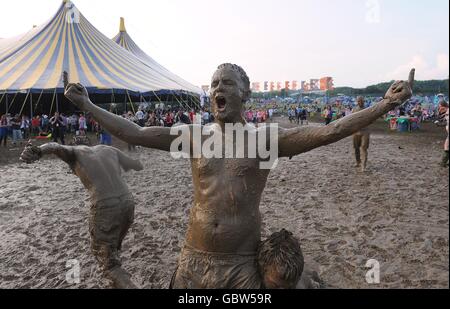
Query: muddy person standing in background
<point>361,140</point>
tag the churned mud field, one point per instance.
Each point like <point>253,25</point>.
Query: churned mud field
<point>396,213</point>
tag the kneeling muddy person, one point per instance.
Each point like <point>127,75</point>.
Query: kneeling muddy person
<point>282,266</point>
<point>280,261</point>
<point>112,205</point>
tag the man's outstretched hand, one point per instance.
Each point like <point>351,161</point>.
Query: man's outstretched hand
<point>78,95</point>
<point>401,91</point>
<point>30,154</point>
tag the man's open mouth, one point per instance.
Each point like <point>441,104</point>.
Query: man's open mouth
<point>221,103</point>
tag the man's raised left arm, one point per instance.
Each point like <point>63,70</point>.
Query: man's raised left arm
<point>296,141</point>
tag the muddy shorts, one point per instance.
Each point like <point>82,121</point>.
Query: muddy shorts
<point>109,222</point>
<point>205,270</point>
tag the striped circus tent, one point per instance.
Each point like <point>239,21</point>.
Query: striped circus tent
<point>125,40</point>
<point>10,45</point>
<point>34,62</point>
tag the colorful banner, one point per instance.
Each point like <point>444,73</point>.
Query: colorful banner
<point>314,85</point>
<point>294,85</point>
<point>326,83</point>
<point>287,85</point>
<point>322,84</point>
<point>256,87</point>
<point>305,86</point>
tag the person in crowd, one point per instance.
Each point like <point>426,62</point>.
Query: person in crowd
<point>140,118</point>
<point>74,125</point>
<point>328,115</point>
<point>105,137</point>
<point>291,115</point>
<point>152,120</point>
<point>25,127</point>
<point>270,113</point>
<point>444,120</point>
<point>16,132</point>
<point>45,123</point>
<point>36,125</point>
<point>82,125</point>
<point>4,124</point>
<point>304,116</point>
<point>192,116</point>
<point>57,125</point>
<point>182,118</point>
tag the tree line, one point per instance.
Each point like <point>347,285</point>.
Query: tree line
<point>426,87</point>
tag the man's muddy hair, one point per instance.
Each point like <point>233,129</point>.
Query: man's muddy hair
<point>283,251</point>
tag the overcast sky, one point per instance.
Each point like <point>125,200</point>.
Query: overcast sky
<point>358,42</point>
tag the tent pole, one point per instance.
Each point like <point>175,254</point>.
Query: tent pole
<point>182,103</point>
<point>57,105</point>
<point>39,99</point>
<point>2,97</point>
<point>31,106</point>
<point>132,105</point>
<point>125,102</point>
<point>24,102</point>
<point>6,103</point>
<point>53,101</point>
<point>12,102</point>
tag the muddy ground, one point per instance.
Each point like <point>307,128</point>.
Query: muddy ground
<point>396,213</point>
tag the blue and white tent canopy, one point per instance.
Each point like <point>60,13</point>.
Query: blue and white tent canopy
<point>9,46</point>
<point>125,40</point>
<point>68,42</point>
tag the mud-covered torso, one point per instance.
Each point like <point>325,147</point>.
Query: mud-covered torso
<point>100,172</point>
<point>226,217</point>
<point>366,130</point>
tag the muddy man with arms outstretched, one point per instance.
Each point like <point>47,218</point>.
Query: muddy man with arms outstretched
<point>224,229</point>
<point>112,205</point>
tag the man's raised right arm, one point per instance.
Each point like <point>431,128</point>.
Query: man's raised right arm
<point>153,137</point>
<point>33,153</point>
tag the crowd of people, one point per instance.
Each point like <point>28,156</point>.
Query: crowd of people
<point>419,106</point>
<point>258,116</point>
<point>17,128</point>
<point>169,117</point>
<point>299,115</point>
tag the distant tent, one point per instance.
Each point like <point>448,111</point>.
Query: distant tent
<point>34,63</point>
<point>125,40</point>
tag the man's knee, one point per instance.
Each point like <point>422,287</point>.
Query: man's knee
<point>365,142</point>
